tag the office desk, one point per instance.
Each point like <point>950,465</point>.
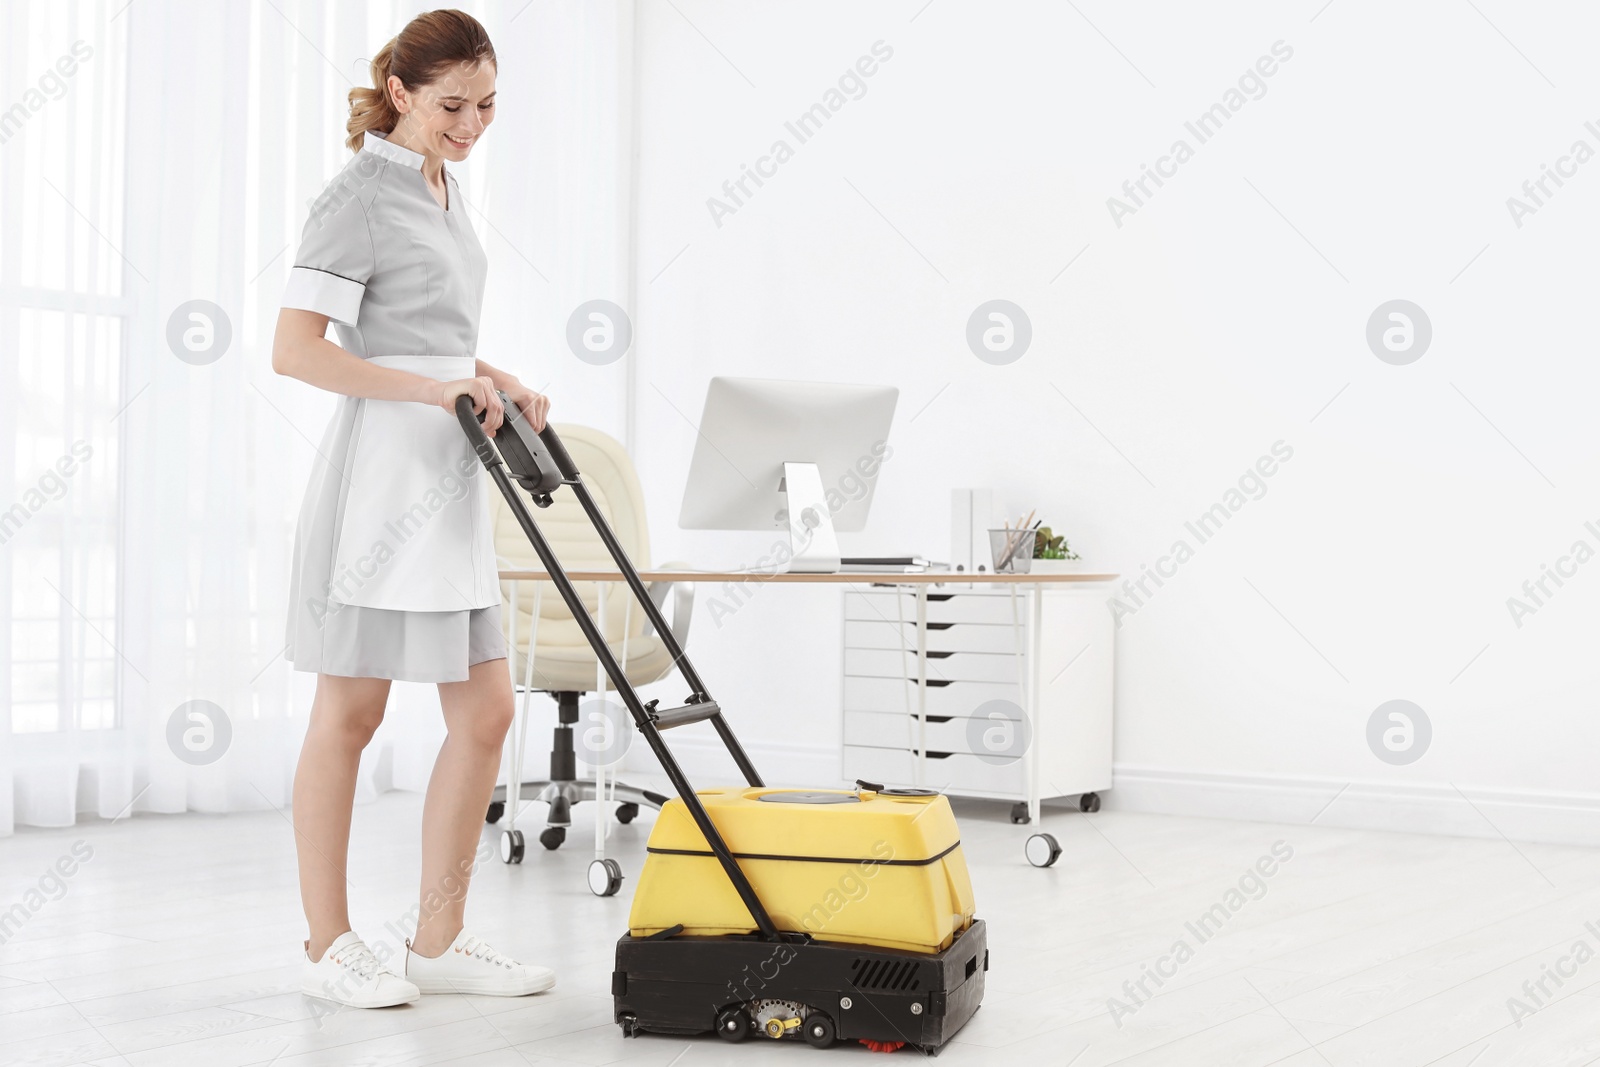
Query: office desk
<point>1072,757</point>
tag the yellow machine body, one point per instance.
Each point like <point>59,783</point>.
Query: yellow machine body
<point>852,866</point>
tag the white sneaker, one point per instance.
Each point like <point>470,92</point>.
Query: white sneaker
<point>471,966</point>
<point>350,974</point>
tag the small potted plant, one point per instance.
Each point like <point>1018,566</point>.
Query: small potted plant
<point>1051,553</point>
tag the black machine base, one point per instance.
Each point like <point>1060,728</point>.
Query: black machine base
<point>737,985</point>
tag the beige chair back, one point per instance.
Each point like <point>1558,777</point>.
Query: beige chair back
<point>563,658</point>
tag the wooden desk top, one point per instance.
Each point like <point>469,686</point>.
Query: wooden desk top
<point>844,578</point>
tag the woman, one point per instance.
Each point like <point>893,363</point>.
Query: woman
<point>394,567</point>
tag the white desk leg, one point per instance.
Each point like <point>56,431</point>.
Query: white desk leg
<point>599,762</point>
<point>1035,704</point>
<point>606,767</point>
<point>510,814</point>
<point>524,717</point>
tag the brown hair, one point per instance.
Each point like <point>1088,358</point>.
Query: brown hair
<point>431,43</point>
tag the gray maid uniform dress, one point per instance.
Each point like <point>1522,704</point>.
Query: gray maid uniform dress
<point>394,567</point>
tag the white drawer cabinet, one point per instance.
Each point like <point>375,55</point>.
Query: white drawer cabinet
<point>990,692</point>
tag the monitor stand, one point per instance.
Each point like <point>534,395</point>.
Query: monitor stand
<point>813,545</point>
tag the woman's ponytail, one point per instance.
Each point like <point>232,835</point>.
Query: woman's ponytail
<point>373,109</point>
<point>430,44</point>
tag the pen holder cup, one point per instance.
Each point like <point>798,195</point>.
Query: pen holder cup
<point>1011,550</point>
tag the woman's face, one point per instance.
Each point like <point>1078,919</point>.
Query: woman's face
<point>448,115</point>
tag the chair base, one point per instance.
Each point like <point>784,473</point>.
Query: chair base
<point>563,788</point>
<point>562,795</point>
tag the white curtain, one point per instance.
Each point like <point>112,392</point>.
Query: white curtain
<point>151,209</point>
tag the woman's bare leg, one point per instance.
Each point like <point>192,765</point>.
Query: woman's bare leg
<point>344,715</point>
<point>477,714</point>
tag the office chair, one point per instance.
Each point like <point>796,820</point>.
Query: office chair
<point>564,666</point>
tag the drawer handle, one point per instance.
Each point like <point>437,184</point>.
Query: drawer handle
<point>940,655</point>
<point>936,683</point>
<point>934,718</point>
<point>938,625</point>
<point>941,597</point>
<point>931,754</point>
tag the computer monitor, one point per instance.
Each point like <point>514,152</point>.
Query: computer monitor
<point>797,456</point>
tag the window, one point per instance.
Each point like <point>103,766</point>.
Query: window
<point>62,320</point>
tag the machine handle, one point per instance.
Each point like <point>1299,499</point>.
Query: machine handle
<point>685,715</point>
<point>558,452</point>
<point>475,432</point>
<point>473,425</point>
<point>700,706</point>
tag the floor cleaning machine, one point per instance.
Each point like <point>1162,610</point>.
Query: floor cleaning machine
<point>802,915</point>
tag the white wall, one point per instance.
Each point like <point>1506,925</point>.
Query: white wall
<point>1190,339</point>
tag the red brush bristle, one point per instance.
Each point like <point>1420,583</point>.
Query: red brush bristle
<point>883,1046</point>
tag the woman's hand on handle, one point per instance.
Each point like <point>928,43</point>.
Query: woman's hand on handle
<point>485,400</point>
<point>534,406</point>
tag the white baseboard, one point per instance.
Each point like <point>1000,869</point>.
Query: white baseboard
<point>1457,810</point>
<point>707,763</point>
<point>1417,808</point>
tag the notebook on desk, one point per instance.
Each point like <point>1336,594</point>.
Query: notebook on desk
<point>888,565</point>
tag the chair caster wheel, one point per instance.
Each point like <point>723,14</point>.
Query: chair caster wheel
<point>818,1030</point>
<point>1019,814</point>
<point>497,808</point>
<point>605,878</point>
<point>510,846</point>
<point>626,813</point>
<point>1042,850</point>
<point>552,836</point>
<point>1089,802</point>
<point>733,1024</point>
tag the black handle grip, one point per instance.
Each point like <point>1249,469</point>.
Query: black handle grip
<point>558,452</point>
<point>475,433</point>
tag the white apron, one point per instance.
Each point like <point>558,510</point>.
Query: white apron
<point>414,532</point>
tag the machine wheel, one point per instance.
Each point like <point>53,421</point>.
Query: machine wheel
<point>1089,802</point>
<point>552,836</point>
<point>1019,813</point>
<point>819,1030</point>
<point>605,878</point>
<point>497,808</point>
<point>511,846</point>
<point>733,1024</point>
<point>626,813</point>
<point>1042,850</point>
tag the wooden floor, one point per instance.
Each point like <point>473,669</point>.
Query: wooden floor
<point>176,943</point>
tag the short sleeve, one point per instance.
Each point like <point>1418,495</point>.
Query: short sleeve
<point>335,258</point>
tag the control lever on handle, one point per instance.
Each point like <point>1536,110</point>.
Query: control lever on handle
<point>558,452</point>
